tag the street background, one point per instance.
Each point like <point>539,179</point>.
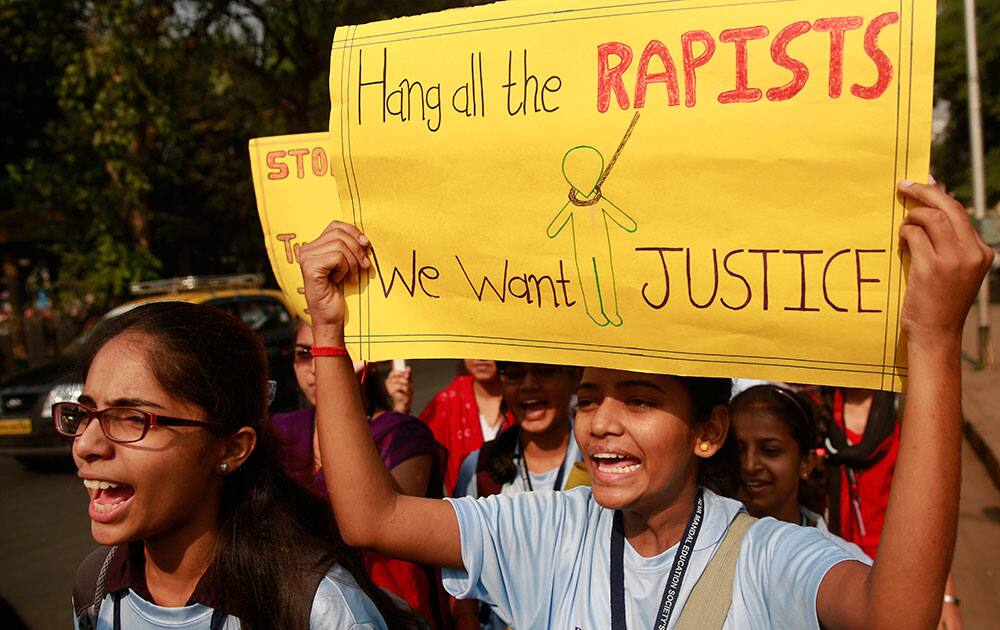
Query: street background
<point>124,159</point>
<point>45,531</point>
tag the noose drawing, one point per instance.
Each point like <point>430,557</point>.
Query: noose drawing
<point>590,221</point>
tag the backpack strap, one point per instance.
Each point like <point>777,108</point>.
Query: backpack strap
<point>88,586</point>
<point>486,485</point>
<point>709,602</point>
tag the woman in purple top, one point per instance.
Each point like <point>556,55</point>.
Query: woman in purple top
<point>407,448</point>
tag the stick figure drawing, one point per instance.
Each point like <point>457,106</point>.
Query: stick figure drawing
<point>589,220</point>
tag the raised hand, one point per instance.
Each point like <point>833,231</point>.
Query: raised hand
<point>334,259</point>
<point>948,260</point>
<point>399,386</point>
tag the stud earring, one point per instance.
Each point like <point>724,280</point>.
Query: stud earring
<point>703,447</point>
<point>223,468</point>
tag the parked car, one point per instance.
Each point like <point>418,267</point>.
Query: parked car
<point>26,427</point>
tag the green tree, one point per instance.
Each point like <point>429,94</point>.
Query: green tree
<point>951,162</point>
<point>145,169</point>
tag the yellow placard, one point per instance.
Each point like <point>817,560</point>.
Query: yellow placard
<point>683,186</point>
<point>296,199</point>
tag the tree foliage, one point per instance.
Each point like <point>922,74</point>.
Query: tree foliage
<point>132,155</point>
<point>951,157</point>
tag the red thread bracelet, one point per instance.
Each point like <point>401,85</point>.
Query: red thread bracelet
<point>329,351</point>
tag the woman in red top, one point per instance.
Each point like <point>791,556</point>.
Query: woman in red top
<point>465,414</point>
<point>862,446</point>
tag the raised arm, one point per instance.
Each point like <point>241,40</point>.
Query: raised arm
<point>370,512</point>
<point>904,588</point>
<point>564,216</point>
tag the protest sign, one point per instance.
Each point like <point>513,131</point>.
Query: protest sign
<point>689,187</point>
<point>296,199</point>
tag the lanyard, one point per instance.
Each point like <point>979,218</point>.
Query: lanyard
<point>526,476</point>
<point>676,575</point>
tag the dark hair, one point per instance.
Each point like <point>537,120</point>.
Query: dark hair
<point>720,473</point>
<point>798,416</point>
<point>373,391</point>
<point>785,405</point>
<point>272,529</point>
<point>502,466</point>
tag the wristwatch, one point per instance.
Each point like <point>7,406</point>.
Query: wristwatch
<point>951,599</point>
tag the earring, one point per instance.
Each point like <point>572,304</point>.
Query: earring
<point>223,468</point>
<point>703,447</point>
<point>805,475</point>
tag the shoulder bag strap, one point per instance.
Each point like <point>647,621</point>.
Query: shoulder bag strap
<point>88,585</point>
<point>708,604</point>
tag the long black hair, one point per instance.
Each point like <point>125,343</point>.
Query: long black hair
<point>272,529</point>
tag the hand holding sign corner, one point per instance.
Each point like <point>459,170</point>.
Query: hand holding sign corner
<point>588,219</point>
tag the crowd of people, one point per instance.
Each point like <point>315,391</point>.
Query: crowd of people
<point>524,495</point>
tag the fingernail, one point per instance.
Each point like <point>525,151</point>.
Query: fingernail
<point>363,240</point>
<point>931,180</point>
<point>906,183</point>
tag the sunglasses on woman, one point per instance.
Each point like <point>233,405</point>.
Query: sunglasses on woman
<point>119,424</point>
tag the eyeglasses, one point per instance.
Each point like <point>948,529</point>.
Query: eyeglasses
<point>119,424</point>
<point>516,372</point>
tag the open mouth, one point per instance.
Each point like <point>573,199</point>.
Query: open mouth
<point>533,408</point>
<point>615,463</point>
<point>107,498</point>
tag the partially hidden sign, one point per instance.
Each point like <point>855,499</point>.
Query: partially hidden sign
<point>688,187</point>
<point>296,199</point>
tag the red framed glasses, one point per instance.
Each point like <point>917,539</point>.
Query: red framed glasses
<point>119,424</point>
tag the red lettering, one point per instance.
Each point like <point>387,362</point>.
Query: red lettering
<point>740,37</point>
<point>668,76</point>
<point>882,61</point>
<point>779,53</point>
<point>280,170</point>
<point>319,161</point>
<point>691,62</point>
<point>611,78</point>
<point>300,167</point>
<point>837,27</point>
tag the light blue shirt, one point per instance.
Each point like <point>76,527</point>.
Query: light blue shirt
<point>466,485</point>
<point>820,525</point>
<point>339,603</point>
<point>541,560</point>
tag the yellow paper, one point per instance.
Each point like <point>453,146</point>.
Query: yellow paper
<point>296,199</point>
<point>764,188</point>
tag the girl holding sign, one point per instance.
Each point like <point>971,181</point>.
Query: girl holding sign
<point>630,552</point>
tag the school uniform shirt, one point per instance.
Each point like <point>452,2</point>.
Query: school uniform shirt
<point>542,560</point>
<point>338,603</point>
<point>466,486</point>
<point>815,520</point>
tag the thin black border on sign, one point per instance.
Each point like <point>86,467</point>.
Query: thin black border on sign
<point>386,38</point>
<point>909,108</point>
<point>365,315</point>
<point>621,351</point>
